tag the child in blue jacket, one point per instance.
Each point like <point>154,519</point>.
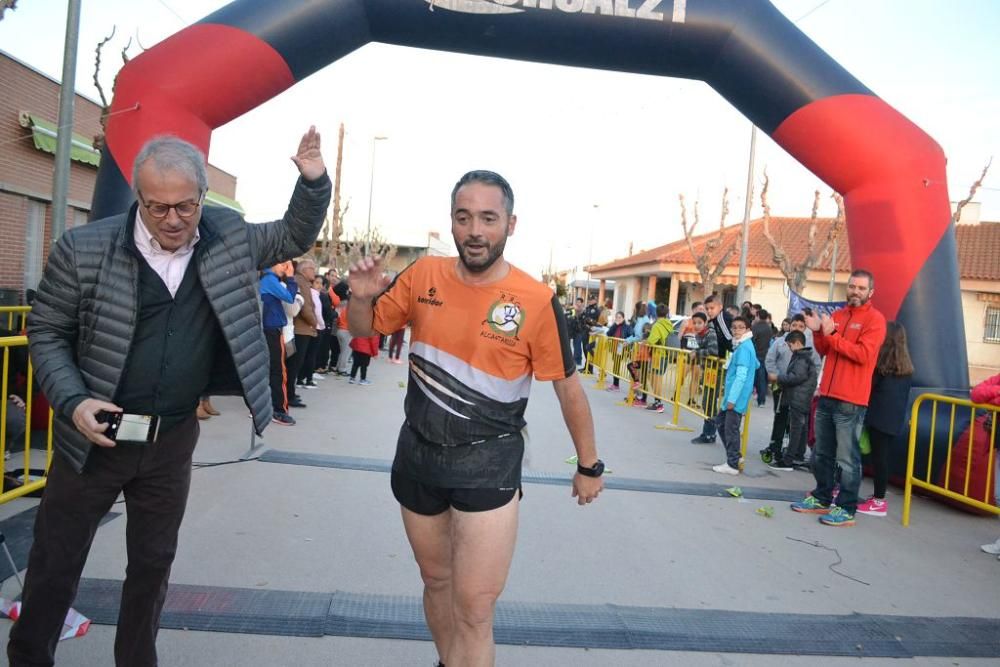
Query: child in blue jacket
<point>740,370</point>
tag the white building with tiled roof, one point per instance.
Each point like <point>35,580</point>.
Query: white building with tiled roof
<point>668,274</point>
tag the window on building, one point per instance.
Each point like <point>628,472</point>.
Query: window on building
<point>992,332</point>
<point>34,239</point>
<point>79,219</point>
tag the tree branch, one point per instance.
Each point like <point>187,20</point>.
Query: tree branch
<point>97,71</point>
<point>972,192</point>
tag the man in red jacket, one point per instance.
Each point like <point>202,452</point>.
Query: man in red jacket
<point>850,341</point>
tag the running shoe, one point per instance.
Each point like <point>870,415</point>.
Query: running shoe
<point>282,419</point>
<point>657,406</point>
<point>874,507</point>
<point>779,464</point>
<point>365,382</point>
<point>809,505</point>
<point>725,469</point>
<point>992,548</point>
<point>838,516</point>
<point>352,381</point>
<point>703,440</point>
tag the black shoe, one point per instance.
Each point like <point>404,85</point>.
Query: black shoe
<point>282,419</point>
<point>800,464</point>
<point>296,404</point>
<point>779,464</point>
<point>703,440</point>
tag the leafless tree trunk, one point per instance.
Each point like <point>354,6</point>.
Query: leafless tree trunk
<point>98,142</point>
<point>713,258</point>
<point>797,273</point>
<point>334,227</point>
<point>972,193</point>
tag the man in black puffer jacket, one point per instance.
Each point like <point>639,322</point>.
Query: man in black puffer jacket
<point>143,313</point>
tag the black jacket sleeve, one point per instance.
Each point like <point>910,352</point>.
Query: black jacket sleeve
<point>53,330</point>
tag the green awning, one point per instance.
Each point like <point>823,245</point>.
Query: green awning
<point>216,199</point>
<point>44,135</point>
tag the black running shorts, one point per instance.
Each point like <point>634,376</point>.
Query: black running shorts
<point>432,500</point>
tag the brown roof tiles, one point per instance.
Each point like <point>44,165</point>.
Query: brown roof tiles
<point>978,247</point>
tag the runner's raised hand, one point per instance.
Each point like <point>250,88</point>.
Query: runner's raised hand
<point>367,279</point>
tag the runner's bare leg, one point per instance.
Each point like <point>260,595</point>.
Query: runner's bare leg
<point>482,550</point>
<point>430,539</point>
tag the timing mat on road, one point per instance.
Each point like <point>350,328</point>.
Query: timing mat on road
<point>610,481</point>
<point>607,626</point>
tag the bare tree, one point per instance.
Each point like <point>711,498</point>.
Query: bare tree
<point>972,192</point>
<point>333,227</point>
<point>796,272</point>
<point>353,249</point>
<point>98,142</point>
<point>711,261</point>
<point>5,5</point>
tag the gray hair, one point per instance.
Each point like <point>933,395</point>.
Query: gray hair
<point>487,178</point>
<point>169,153</point>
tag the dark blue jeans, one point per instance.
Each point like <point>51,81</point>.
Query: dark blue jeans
<point>838,427</point>
<point>761,384</point>
<point>727,422</point>
<point>578,344</point>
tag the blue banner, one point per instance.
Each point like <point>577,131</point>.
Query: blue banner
<point>797,303</point>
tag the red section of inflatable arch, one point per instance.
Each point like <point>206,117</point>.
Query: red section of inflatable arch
<point>892,176</point>
<point>190,84</point>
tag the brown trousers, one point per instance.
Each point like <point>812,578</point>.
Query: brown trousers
<point>155,480</point>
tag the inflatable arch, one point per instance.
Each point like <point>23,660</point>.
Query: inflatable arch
<point>892,175</point>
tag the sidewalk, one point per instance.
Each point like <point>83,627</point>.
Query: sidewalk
<point>269,526</point>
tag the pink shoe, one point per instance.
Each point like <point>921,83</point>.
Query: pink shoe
<point>874,507</point>
<point>613,388</point>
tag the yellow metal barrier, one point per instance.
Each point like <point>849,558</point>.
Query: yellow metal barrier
<point>926,483</point>
<point>668,374</point>
<point>13,318</point>
<point>23,484</point>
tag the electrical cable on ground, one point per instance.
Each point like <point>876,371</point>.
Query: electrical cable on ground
<point>832,565</point>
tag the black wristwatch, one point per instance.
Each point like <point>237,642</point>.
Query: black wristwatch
<point>596,471</point>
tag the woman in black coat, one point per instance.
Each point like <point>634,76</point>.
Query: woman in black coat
<point>886,414</point>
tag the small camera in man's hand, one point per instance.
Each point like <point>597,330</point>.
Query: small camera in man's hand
<point>125,427</point>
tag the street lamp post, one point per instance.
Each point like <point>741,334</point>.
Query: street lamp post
<point>371,191</point>
<point>590,253</point>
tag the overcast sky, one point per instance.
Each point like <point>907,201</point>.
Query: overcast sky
<point>596,159</point>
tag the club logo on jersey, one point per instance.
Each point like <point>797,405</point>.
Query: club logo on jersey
<point>505,319</point>
<point>429,299</point>
<point>645,9</point>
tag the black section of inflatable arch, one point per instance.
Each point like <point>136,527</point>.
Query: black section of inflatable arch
<point>308,35</point>
<point>112,193</point>
<point>937,294</point>
<point>745,49</point>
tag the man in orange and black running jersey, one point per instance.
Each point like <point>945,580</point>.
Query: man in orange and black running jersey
<point>481,329</point>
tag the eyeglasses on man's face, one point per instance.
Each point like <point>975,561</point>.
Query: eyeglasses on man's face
<point>159,210</point>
